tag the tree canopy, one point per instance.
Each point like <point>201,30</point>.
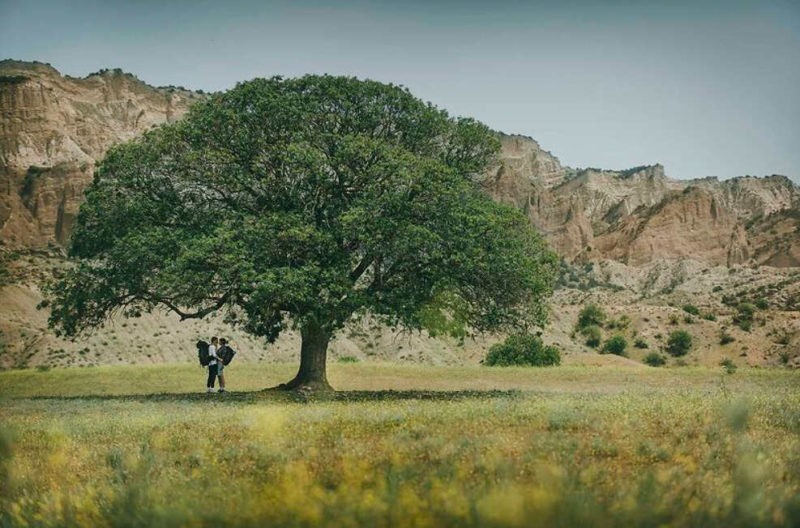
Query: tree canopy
<point>304,203</point>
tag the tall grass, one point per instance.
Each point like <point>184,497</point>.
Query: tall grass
<point>602,447</point>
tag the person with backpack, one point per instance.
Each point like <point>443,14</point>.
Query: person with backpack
<point>225,355</point>
<point>213,363</point>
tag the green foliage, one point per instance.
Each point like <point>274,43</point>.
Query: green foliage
<point>674,319</point>
<point>593,335</point>
<point>679,343</point>
<point>615,345</point>
<point>691,309</point>
<point>640,343</point>
<point>716,289</point>
<point>708,316</point>
<point>725,338</point>
<point>744,316</point>
<point>761,303</point>
<point>654,359</point>
<point>591,314</point>
<point>348,359</point>
<point>522,350</point>
<point>728,365</point>
<point>305,203</point>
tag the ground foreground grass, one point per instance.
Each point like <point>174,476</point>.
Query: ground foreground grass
<point>401,446</point>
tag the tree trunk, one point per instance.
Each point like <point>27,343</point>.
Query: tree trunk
<point>313,354</point>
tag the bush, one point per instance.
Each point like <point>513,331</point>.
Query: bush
<point>744,316</point>
<point>691,309</point>
<point>674,319</point>
<point>591,314</point>
<point>593,335</point>
<point>709,316</point>
<point>523,350</point>
<point>728,365</point>
<point>725,338</point>
<point>716,289</point>
<point>348,359</point>
<point>762,303</point>
<point>640,343</point>
<point>679,343</point>
<point>616,345</point>
<point>654,359</point>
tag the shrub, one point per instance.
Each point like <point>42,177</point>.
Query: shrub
<point>591,314</point>
<point>616,345</point>
<point>688,319</point>
<point>679,343</point>
<point>761,303</point>
<point>654,359</point>
<point>728,365</point>
<point>744,316</point>
<point>640,343</point>
<point>725,338</point>
<point>709,316</point>
<point>674,319</point>
<point>716,289</point>
<point>691,309</point>
<point>523,350</point>
<point>593,335</point>
<point>348,359</point>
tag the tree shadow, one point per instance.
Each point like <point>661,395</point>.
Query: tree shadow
<point>284,396</point>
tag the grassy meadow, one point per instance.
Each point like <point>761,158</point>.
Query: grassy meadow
<point>401,446</point>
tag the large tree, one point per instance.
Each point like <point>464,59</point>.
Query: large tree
<point>303,203</point>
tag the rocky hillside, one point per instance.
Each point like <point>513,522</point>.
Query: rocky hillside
<point>639,215</point>
<point>53,129</point>
<point>634,241</point>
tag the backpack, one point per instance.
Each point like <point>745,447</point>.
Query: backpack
<point>227,355</point>
<point>202,353</point>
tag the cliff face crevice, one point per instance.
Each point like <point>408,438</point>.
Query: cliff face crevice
<point>54,129</point>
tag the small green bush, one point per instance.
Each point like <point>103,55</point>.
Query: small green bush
<point>744,316</point>
<point>708,316</point>
<point>593,335</point>
<point>591,314</point>
<point>616,345</point>
<point>522,350</point>
<point>679,343</point>
<point>716,289</point>
<point>654,359</point>
<point>348,359</point>
<point>640,343</point>
<point>761,303</point>
<point>674,319</point>
<point>725,338</point>
<point>691,309</point>
<point>728,365</point>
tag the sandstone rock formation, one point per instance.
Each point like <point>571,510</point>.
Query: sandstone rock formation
<point>639,215</point>
<point>53,129</point>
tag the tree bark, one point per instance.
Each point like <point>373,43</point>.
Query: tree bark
<point>313,355</point>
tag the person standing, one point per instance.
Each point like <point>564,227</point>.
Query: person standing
<point>213,365</point>
<point>222,355</point>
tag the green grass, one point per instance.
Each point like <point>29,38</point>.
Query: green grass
<point>401,446</point>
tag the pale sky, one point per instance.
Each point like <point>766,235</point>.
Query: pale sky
<point>705,88</point>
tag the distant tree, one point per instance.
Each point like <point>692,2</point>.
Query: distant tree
<point>593,335</point>
<point>616,344</point>
<point>591,314</point>
<point>654,359</point>
<point>305,203</point>
<point>679,343</point>
<point>522,350</point>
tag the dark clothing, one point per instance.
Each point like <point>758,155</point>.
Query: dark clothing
<point>212,376</point>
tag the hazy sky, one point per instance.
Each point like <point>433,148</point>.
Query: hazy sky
<point>706,88</point>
